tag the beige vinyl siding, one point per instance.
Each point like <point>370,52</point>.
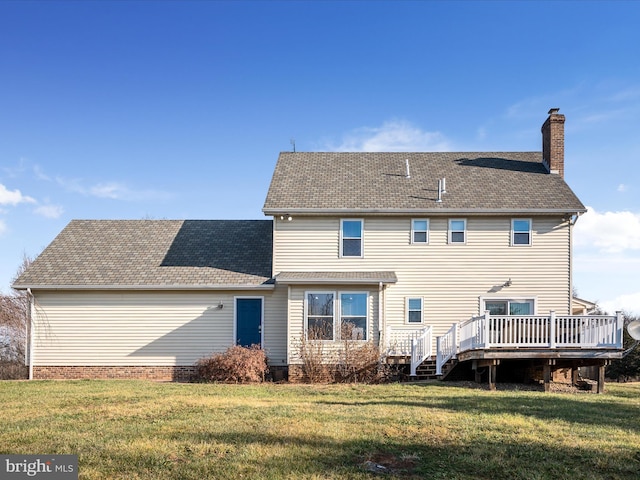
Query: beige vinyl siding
<point>142,328</point>
<point>450,278</point>
<point>275,325</point>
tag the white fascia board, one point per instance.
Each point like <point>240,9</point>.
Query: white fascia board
<point>329,281</point>
<point>426,211</point>
<point>269,286</point>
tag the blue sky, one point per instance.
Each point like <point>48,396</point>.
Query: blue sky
<point>179,109</point>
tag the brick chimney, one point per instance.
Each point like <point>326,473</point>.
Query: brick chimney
<point>553,142</point>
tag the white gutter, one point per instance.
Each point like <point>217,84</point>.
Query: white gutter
<point>269,286</point>
<point>28,326</point>
<point>380,316</point>
<point>424,211</point>
<point>334,281</point>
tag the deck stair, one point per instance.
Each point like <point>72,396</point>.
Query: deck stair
<point>427,370</point>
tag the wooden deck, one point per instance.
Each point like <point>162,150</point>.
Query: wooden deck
<point>547,342</point>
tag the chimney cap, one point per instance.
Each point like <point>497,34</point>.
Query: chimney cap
<point>553,110</point>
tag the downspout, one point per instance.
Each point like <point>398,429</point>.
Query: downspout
<point>571,222</point>
<point>380,315</point>
<point>29,331</point>
<point>288,349</point>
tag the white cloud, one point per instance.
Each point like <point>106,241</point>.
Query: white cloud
<point>631,93</point>
<point>392,136</point>
<point>609,231</point>
<point>629,303</point>
<point>16,171</point>
<point>13,197</point>
<point>49,211</point>
<point>111,190</point>
<point>622,188</point>
<point>39,173</point>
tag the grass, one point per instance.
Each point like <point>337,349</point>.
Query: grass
<point>145,430</point>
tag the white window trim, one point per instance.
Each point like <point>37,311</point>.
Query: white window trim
<point>513,232</point>
<point>337,314</point>
<point>450,231</point>
<point>413,242</point>
<point>532,299</point>
<point>367,316</point>
<point>305,326</point>
<point>342,238</point>
<point>406,310</point>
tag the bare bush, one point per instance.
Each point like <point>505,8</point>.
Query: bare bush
<point>14,324</point>
<point>627,368</point>
<point>359,362</point>
<point>13,371</point>
<point>313,355</point>
<point>351,360</point>
<point>236,365</point>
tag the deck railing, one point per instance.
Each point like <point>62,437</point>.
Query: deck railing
<point>410,342</point>
<point>447,347</point>
<point>549,331</point>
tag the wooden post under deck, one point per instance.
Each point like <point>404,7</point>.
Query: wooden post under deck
<point>547,376</point>
<point>492,376</point>
<point>492,368</point>
<point>601,378</point>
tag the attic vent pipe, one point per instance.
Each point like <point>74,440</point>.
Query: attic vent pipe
<point>439,200</point>
<point>408,174</point>
<point>444,185</point>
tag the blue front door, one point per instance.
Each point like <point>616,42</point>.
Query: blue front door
<point>248,321</point>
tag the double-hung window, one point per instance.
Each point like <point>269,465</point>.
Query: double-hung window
<point>420,230</point>
<point>351,238</point>
<point>319,313</point>
<point>353,316</point>
<point>457,231</point>
<point>520,231</point>
<point>414,310</point>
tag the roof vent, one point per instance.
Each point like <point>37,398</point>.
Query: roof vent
<point>408,174</point>
<point>440,192</point>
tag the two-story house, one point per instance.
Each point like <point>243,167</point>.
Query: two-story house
<point>438,258</point>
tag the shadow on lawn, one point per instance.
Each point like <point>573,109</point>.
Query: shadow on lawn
<point>587,409</point>
<point>316,455</point>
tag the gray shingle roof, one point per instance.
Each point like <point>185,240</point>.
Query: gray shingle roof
<point>485,182</point>
<point>155,253</point>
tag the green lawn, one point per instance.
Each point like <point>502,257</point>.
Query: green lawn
<point>145,430</point>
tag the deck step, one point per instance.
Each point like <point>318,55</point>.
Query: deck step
<point>427,369</point>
